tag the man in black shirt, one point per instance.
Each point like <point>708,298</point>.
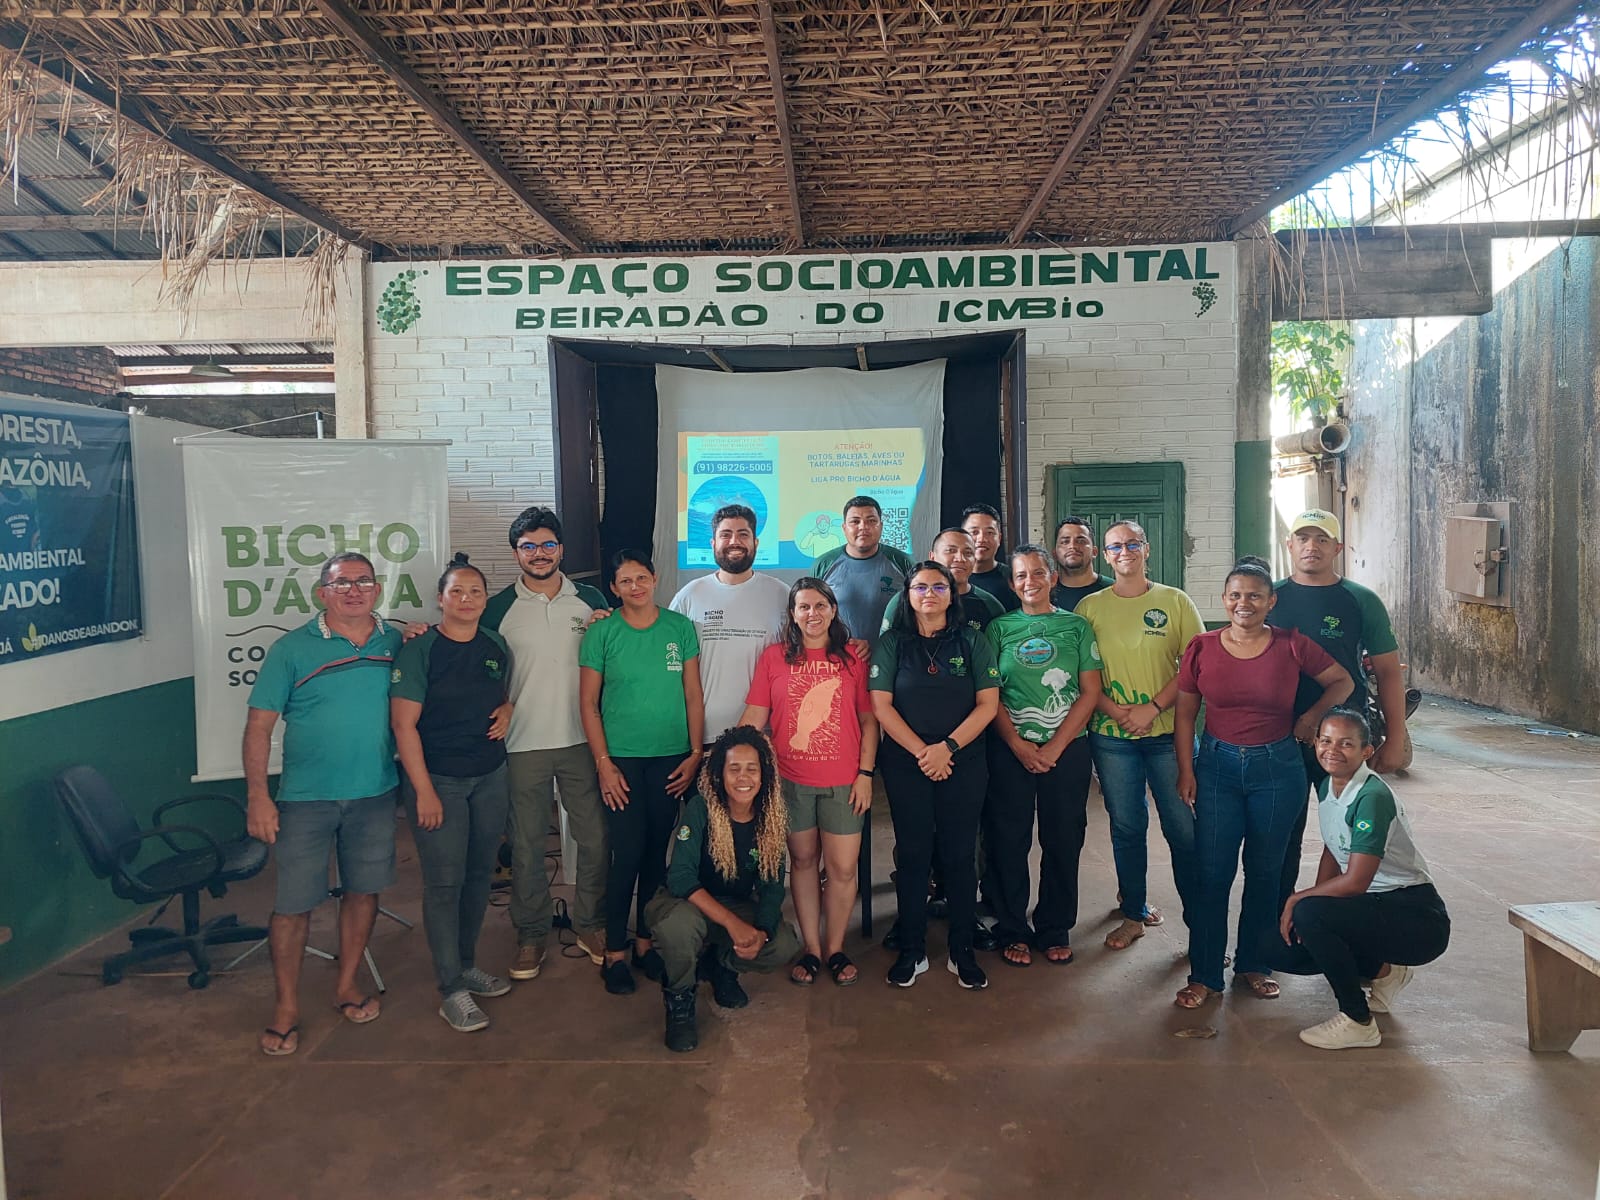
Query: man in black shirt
<point>993,571</point>
<point>1075,555</point>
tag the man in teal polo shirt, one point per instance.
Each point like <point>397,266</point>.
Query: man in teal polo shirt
<point>329,680</point>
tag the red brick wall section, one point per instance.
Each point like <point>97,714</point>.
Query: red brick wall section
<point>86,369</point>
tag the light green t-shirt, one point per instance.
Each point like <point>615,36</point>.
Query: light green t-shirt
<point>1040,656</point>
<point>642,705</point>
<point>1141,640</point>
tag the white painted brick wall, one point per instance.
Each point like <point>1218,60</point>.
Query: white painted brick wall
<point>1098,392</point>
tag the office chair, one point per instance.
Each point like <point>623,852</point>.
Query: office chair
<point>112,842</point>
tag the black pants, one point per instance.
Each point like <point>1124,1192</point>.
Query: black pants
<point>637,838</point>
<point>1349,938</point>
<point>1060,799</point>
<point>926,813</point>
<point>1297,835</point>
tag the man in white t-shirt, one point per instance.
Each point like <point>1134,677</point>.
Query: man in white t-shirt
<point>542,617</point>
<point>738,613</point>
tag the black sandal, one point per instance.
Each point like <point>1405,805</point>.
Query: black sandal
<point>837,963</point>
<point>811,965</point>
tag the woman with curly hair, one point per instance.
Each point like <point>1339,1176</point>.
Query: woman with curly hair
<point>721,911</point>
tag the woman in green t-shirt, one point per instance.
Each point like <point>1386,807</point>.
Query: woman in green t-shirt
<point>644,717</point>
<point>449,712</point>
<point>1039,762</point>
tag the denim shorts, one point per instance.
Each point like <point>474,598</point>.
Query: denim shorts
<point>362,831</point>
<point>827,808</point>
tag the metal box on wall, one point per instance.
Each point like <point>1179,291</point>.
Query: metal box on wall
<point>1477,553</point>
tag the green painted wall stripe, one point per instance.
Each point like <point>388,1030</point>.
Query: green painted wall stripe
<point>1252,499</point>
<point>143,741</point>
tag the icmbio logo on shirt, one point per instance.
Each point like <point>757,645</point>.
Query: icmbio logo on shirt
<point>674,657</point>
<point>1155,618</point>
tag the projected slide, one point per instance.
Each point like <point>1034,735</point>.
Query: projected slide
<point>796,482</point>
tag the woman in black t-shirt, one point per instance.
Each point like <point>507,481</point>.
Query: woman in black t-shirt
<point>449,711</point>
<point>934,689</point>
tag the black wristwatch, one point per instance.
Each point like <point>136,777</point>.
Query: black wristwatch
<point>952,744</point>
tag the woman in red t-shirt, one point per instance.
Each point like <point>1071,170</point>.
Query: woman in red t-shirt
<point>814,690</point>
<point>1248,776</point>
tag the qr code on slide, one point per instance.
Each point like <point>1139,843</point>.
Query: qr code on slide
<point>897,527</point>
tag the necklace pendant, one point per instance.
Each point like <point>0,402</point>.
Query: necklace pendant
<point>933,668</point>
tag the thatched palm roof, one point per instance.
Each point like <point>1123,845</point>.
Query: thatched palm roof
<point>459,126</point>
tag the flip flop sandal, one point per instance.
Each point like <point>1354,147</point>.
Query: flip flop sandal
<point>1057,962</point>
<point>1261,988</point>
<point>1124,935</point>
<point>837,964</point>
<point>1012,962</point>
<point>1152,916</point>
<point>282,1049</point>
<point>811,965</point>
<point>354,1011</point>
<point>1193,995</point>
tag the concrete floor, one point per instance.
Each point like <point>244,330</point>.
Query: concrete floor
<point>1053,1082</point>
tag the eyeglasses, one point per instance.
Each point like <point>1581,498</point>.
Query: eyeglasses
<point>530,547</point>
<point>1130,547</point>
<point>344,587</point>
<point>923,589</point>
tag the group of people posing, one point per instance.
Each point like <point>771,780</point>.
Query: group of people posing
<point>705,750</point>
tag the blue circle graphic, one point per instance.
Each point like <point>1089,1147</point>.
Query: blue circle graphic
<point>715,493</point>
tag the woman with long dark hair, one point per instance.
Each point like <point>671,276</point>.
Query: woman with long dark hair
<point>643,715</point>
<point>1248,777</point>
<point>934,688</point>
<point>721,911</point>
<point>449,712</point>
<point>813,690</point>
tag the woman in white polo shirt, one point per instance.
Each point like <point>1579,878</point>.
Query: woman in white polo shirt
<point>1373,913</point>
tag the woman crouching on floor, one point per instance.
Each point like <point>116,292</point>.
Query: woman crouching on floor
<point>1374,913</point>
<point>721,911</point>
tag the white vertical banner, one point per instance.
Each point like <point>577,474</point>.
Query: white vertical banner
<point>264,514</point>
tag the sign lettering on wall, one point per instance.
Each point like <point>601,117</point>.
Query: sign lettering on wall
<point>943,291</point>
<point>69,569</point>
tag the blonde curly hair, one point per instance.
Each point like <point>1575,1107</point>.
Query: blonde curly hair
<point>771,813</point>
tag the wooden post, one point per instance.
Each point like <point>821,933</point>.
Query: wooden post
<point>1563,998</point>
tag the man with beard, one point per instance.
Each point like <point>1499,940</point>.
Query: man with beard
<point>1075,555</point>
<point>953,547</point>
<point>863,573</point>
<point>542,617</point>
<point>738,614</point>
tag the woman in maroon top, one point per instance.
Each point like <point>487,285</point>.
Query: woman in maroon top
<point>1248,776</point>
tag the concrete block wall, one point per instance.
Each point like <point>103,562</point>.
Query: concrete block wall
<point>1100,391</point>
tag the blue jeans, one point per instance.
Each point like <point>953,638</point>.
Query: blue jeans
<point>1249,795</point>
<point>1127,768</point>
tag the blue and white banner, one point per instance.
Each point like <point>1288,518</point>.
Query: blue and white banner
<point>69,561</point>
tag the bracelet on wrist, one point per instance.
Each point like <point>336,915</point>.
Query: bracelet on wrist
<point>869,772</point>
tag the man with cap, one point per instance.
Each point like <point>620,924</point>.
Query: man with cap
<point>1349,622</point>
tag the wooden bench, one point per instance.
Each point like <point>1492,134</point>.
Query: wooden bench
<point>1561,944</point>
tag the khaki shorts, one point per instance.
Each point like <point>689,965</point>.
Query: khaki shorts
<point>827,808</point>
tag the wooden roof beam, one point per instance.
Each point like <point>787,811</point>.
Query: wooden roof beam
<point>134,109</point>
<point>780,105</point>
<point>364,35</point>
<point>1552,12</point>
<point>1132,50</point>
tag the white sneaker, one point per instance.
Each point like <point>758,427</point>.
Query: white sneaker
<point>1339,1032</point>
<point>1386,989</point>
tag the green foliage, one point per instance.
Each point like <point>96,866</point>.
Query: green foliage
<point>1305,366</point>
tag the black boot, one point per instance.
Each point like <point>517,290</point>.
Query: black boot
<point>725,988</point>
<point>682,1036</point>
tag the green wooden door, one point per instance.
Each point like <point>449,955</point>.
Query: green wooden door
<point>1150,493</point>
